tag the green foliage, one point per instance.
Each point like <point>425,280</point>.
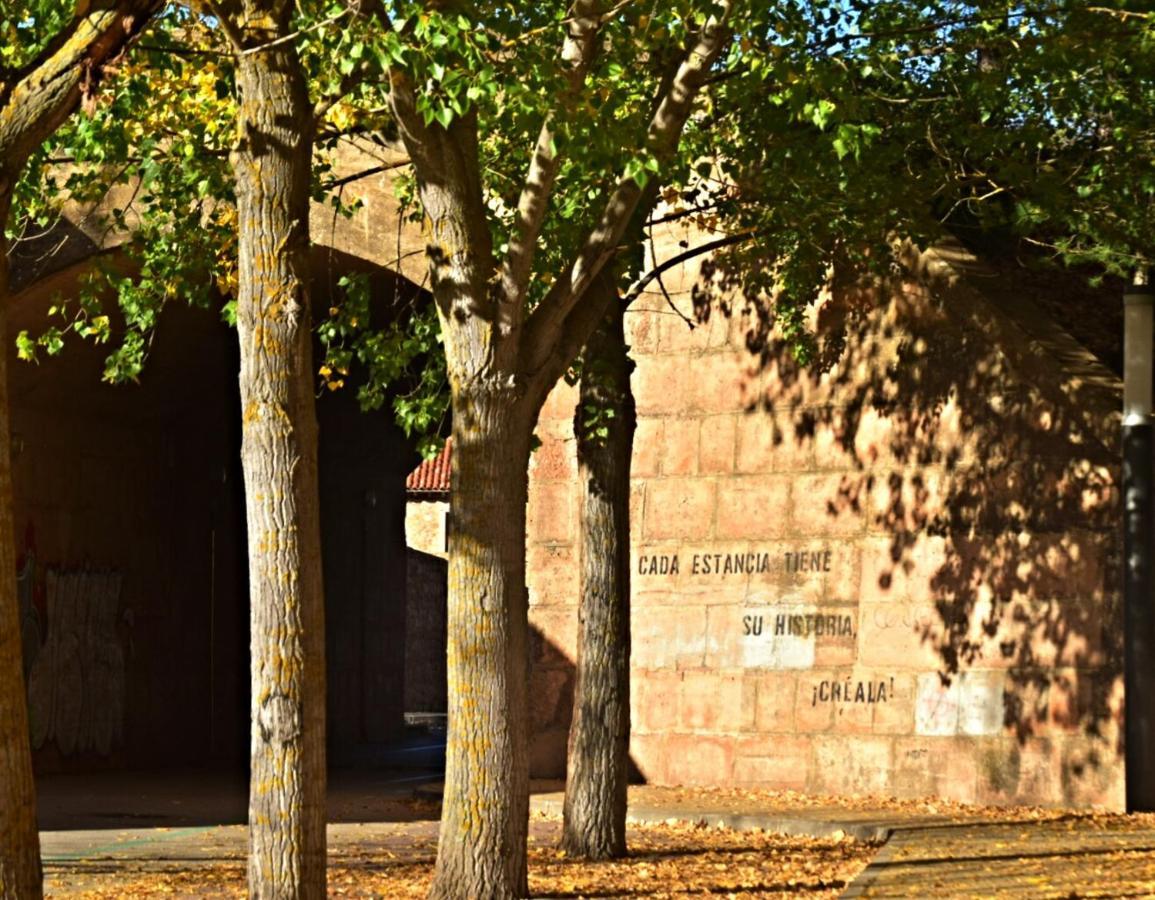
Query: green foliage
<point>148,167</point>
<point>404,353</point>
<point>500,65</point>
<point>1036,121</point>
<point>26,26</point>
<point>826,130</point>
<point>1022,122</point>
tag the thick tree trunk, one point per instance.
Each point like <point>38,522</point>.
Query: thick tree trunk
<point>35,99</point>
<point>502,362</point>
<point>595,795</point>
<point>19,841</point>
<point>482,850</point>
<point>279,452</point>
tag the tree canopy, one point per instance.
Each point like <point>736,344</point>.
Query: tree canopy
<point>796,136</point>
<point>827,130</point>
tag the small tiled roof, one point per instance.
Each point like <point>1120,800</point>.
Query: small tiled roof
<point>432,476</point>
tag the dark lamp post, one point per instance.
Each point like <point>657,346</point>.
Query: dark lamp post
<point>1138,531</point>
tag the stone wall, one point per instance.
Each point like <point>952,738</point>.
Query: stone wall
<point>426,690</point>
<point>425,525</point>
<point>893,571</point>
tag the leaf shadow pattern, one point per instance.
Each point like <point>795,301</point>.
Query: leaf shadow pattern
<point>969,448</point>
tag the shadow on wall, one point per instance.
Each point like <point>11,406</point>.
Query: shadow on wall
<point>977,447</point>
<point>425,633</point>
<point>551,709</point>
<point>551,687</point>
<point>550,705</point>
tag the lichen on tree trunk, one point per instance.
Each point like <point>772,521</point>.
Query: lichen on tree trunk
<point>597,767</point>
<point>20,875</point>
<point>35,99</point>
<point>279,453</point>
<point>486,775</point>
<point>502,360</point>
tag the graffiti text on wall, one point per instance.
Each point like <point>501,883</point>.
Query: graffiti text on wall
<point>799,561</point>
<point>800,625</point>
<point>847,691</point>
<point>76,682</point>
<point>789,637</point>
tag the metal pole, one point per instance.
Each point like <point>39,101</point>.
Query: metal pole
<point>1138,532</point>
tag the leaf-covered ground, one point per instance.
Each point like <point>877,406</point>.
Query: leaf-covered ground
<point>665,861</point>
<point>1063,857</point>
<point>384,846</point>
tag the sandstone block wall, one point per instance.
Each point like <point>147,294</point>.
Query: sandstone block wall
<point>425,526</point>
<point>892,572</point>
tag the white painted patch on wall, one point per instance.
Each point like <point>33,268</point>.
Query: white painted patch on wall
<point>972,704</point>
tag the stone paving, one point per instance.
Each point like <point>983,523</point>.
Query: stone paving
<point>76,861</point>
<point>1075,857</point>
<point>931,850</point>
<point>936,849</point>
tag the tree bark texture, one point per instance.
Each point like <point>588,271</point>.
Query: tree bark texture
<point>20,876</point>
<point>485,811</point>
<point>279,454</point>
<point>502,362</point>
<point>482,847</point>
<point>598,764</point>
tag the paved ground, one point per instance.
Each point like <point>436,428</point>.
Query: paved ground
<point>98,825</point>
<point>1064,858</point>
<point>178,799</point>
<point>938,850</point>
<point>76,861</point>
<point>781,812</point>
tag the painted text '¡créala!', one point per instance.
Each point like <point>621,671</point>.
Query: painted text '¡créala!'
<point>852,692</point>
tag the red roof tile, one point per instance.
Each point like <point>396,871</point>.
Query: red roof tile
<point>432,476</point>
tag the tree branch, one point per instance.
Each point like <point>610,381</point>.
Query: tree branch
<point>689,211</point>
<point>235,38</point>
<point>635,289</point>
<point>184,52</point>
<point>459,245</point>
<point>578,52</point>
<point>286,38</point>
<point>582,322</point>
<point>49,88</point>
<point>364,173</point>
<point>1120,13</point>
<point>547,323</point>
<point>662,284</point>
<point>402,95</point>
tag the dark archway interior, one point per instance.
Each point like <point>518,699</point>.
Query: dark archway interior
<point>130,504</point>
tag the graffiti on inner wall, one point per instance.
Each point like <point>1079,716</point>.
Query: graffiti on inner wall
<point>74,659</point>
<point>30,595</point>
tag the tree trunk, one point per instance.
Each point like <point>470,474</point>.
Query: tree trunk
<point>501,362</point>
<point>35,99</point>
<point>597,770</point>
<point>482,849</point>
<point>279,453</point>
<point>20,876</point>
